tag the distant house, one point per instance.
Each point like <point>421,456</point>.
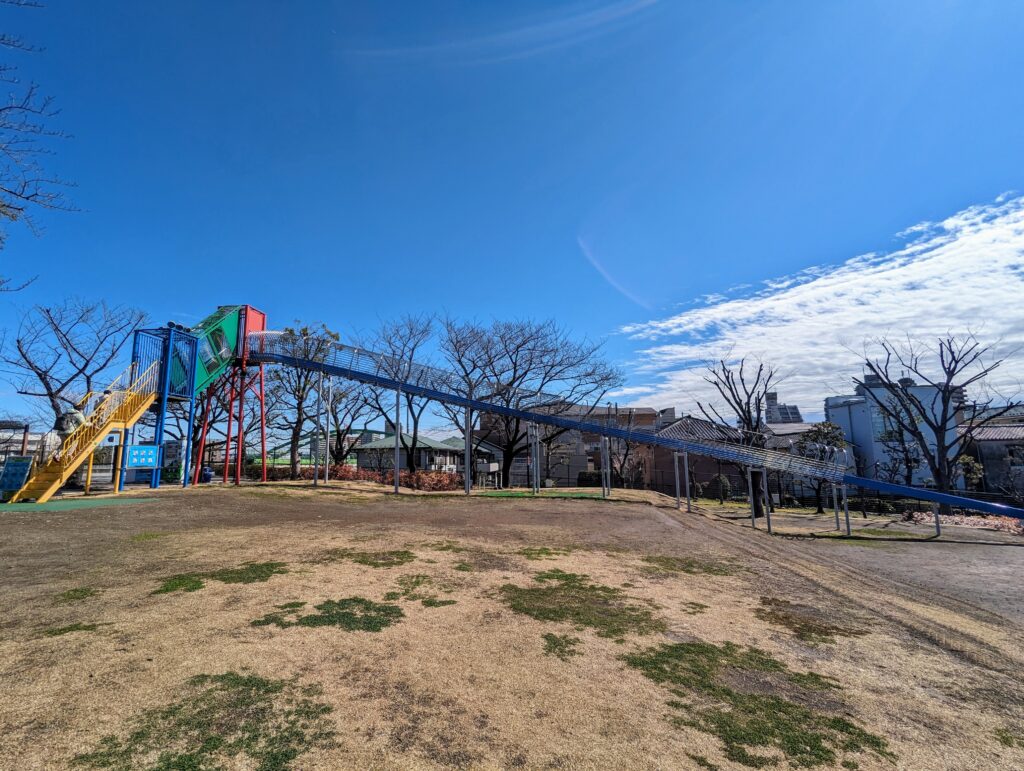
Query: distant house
<point>702,468</point>
<point>877,443</point>
<point>1000,448</point>
<point>431,454</point>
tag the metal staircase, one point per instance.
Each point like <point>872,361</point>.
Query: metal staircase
<point>123,403</point>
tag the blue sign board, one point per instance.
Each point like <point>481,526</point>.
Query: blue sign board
<point>143,456</point>
<point>15,473</point>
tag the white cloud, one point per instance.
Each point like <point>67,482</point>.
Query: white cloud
<point>545,34</point>
<point>963,274</point>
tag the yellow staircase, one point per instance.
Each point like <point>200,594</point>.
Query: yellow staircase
<point>119,407</point>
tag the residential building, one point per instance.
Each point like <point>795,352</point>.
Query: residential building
<point>702,468</point>
<point>780,413</point>
<point>880,449</point>
<point>1000,448</point>
<point>431,454</point>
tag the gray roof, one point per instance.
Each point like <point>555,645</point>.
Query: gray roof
<point>697,428</point>
<point>1000,432</point>
<point>788,429</point>
<point>388,442</point>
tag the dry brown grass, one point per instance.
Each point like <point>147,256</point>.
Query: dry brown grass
<point>470,684</point>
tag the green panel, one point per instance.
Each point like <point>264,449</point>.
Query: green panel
<point>218,344</point>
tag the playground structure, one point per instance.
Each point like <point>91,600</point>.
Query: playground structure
<point>173,365</point>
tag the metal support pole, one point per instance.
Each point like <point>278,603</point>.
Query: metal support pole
<point>88,473</point>
<point>398,433</point>
<point>467,453</point>
<point>316,431</point>
<point>686,481</point>
<point>161,418</point>
<point>938,525</point>
<point>202,436</point>
<point>240,441</point>
<point>675,473</point>
<point>230,385</point>
<point>263,426</point>
<point>750,490</point>
<point>846,509</point>
<point>835,503</point>
<point>767,500</point>
<point>531,437</point>
<point>120,459</point>
<point>327,433</point>
<point>186,462</point>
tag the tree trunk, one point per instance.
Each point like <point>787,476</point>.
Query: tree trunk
<point>506,467</point>
<point>293,450</point>
<point>817,499</point>
<point>757,493</point>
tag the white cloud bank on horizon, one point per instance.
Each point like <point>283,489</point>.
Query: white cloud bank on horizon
<point>965,274</point>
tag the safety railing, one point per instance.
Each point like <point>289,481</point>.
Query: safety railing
<point>117,403</point>
<point>431,382</point>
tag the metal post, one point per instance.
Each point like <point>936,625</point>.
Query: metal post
<point>531,438</point>
<point>327,433</point>
<point>240,441</point>
<point>398,433</point>
<point>186,464</point>
<point>88,473</point>
<point>835,503</point>
<point>846,509</point>
<point>202,436</point>
<point>750,489</point>
<point>467,455</point>
<point>686,481</point>
<point>158,433</point>
<point>263,426</point>
<point>24,439</point>
<point>230,385</point>
<point>767,500</point>
<point>675,472</point>
<point>120,460</point>
<point>604,477</point>
<point>938,525</point>
<point>316,431</point>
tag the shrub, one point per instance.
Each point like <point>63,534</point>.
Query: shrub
<point>588,479</point>
<point>718,487</point>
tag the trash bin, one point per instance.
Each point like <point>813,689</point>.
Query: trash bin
<point>206,475</point>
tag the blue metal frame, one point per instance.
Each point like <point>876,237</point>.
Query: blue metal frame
<point>261,350</point>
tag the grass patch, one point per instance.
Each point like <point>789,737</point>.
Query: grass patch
<point>464,567</point>
<point>78,594</point>
<point>452,546</point>
<point>511,494</point>
<point>248,573</point>
<point>222,718</point>
<point>353,614</point>
<point>694,608</point>
<point>542,553</point>
<point>702,762</point>
<point>561,645</point>
<point>434,602</point>
<point>883,533</point>
<point>143,537</point>
<point>572,598</point>
<point>59,631</point>
<point>691,565</point>
<point>411,588</point>
<point>730,692</point>
<point>805,622</point>
<point>1008,738</point>
<point>373,559</point>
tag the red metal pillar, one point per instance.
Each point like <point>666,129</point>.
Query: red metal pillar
<point>240,444</point>
<point>230,387</point>
<point>202,436</point>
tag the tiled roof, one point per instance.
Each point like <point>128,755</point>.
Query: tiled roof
<point>998,432</point>
<point>697,428</point>
<point>388,442</point>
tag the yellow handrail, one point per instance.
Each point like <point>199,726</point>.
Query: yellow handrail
<point>119,403</point>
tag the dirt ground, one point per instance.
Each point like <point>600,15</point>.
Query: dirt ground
<point>920,639</point>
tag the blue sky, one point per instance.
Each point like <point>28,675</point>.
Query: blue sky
<point>616,165</point>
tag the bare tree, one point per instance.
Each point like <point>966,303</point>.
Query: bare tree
<point>745,395</point>
<point>293,388</point>
<point>402,344</point>
<point>69,349</point>
<point>627,459</point>
<point>348,406</point>
<point>519,364</point>
<point>25,139</point>
<point>921,389</point>
<point>825,434</point>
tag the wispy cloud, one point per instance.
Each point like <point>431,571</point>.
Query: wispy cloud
<point>965,273</point>
<point>552,32</point>
<point>588,253</point>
